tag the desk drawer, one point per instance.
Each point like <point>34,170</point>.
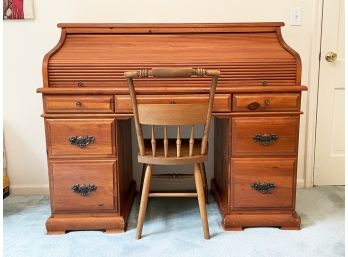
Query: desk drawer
<point>69,181</point>
<point>80,137</point>
<point>264,135</point>
<point>222,102</point>
<point>262,183</point>
<point>79,104</point>
<point>266,102</point>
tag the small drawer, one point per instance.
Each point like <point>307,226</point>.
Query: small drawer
<point>222,102</point>
<point>86,186</point>
<point>80,137</point>
<point>264,135</point>
<point>79,104</point>
<point>262,183</point>
<point>266,102</point>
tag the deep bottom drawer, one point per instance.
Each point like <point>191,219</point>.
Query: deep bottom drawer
<point>69,178</point>
<point>262,183</point>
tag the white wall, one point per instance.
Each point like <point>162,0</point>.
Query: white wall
<point>26,42</point>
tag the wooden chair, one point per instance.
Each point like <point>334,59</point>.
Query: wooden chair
<point>172,151</point>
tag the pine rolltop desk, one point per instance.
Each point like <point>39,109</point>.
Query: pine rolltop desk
<point>87,113</point>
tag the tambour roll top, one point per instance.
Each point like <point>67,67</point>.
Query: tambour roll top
<point>97,55</point>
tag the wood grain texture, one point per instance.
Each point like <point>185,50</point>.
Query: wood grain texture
<point>257,69</point>
<point>79,104</point>
<point>205,27</point>
<point>174,90</point>
<point>87,64</point>
<point>222,149</point>
<point>245,128</point>
<point>282,220</point>
<point>180,114</point>
<point>201,200</point>
<point>222,102</point>
<point>112,224</point>
<point>247,171</point>
<point>58,132</point>
<point>102,174</point>
<point>126,185</point>
<point>171,157</point>
<point>143,200</point>
<point>266,102</point>
<point>172,154</point>
<point>238,220</point>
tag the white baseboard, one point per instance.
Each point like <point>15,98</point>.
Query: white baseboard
<point>300,183</point>
<point>29,189</point>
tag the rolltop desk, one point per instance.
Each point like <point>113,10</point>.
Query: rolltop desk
<point>87,115</point>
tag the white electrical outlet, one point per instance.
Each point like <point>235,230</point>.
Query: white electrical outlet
<point>296,16</point>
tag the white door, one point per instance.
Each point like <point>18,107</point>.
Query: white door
<point>329,149</point>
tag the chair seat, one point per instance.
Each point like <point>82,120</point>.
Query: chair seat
<point>171,159</point>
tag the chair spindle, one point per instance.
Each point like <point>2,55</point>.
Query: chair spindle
<point>165,142</point>
<point>153,140</point>
<point>192,141</point>
<point>178,143</point>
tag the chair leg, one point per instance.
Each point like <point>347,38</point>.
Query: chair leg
<point>142,177</point>
<point>201,200</point>
<point>143,201</point>
<point>205,182</point>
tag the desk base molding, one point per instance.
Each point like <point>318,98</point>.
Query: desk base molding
<point>55,225</point>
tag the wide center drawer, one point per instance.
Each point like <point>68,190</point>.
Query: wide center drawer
<point>265,135</point>
<point>222,102</point>
<point>262,183</point>
<point>80,137</point>
<point>79,104</point>
<point>83,185</point>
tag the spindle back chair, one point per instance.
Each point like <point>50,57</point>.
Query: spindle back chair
<point>176,151</point>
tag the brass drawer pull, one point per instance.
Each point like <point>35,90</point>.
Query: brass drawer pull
<point>267,102</point>
<point>83,189</point>
<point>253,106</point>
<point>81,141</point>
<point>78,104</point>
<point>265,139</point>
<point>263,188</point>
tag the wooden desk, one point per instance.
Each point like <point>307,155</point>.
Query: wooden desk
<point>87,118</point>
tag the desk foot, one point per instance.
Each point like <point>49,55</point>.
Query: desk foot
<point>284,221</point>
<point>61,225</point>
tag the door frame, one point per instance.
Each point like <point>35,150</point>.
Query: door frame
<point>312,94</point>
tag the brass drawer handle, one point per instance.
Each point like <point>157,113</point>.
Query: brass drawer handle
<point>78,104</point>
<point>265,139</point>
<point>263,188</point>
<point>80,83</point>
<point>172,102</point>
<point>267,102</point>
<point>81,141</point>
<point>253,106</point>
<point>83,189</point>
